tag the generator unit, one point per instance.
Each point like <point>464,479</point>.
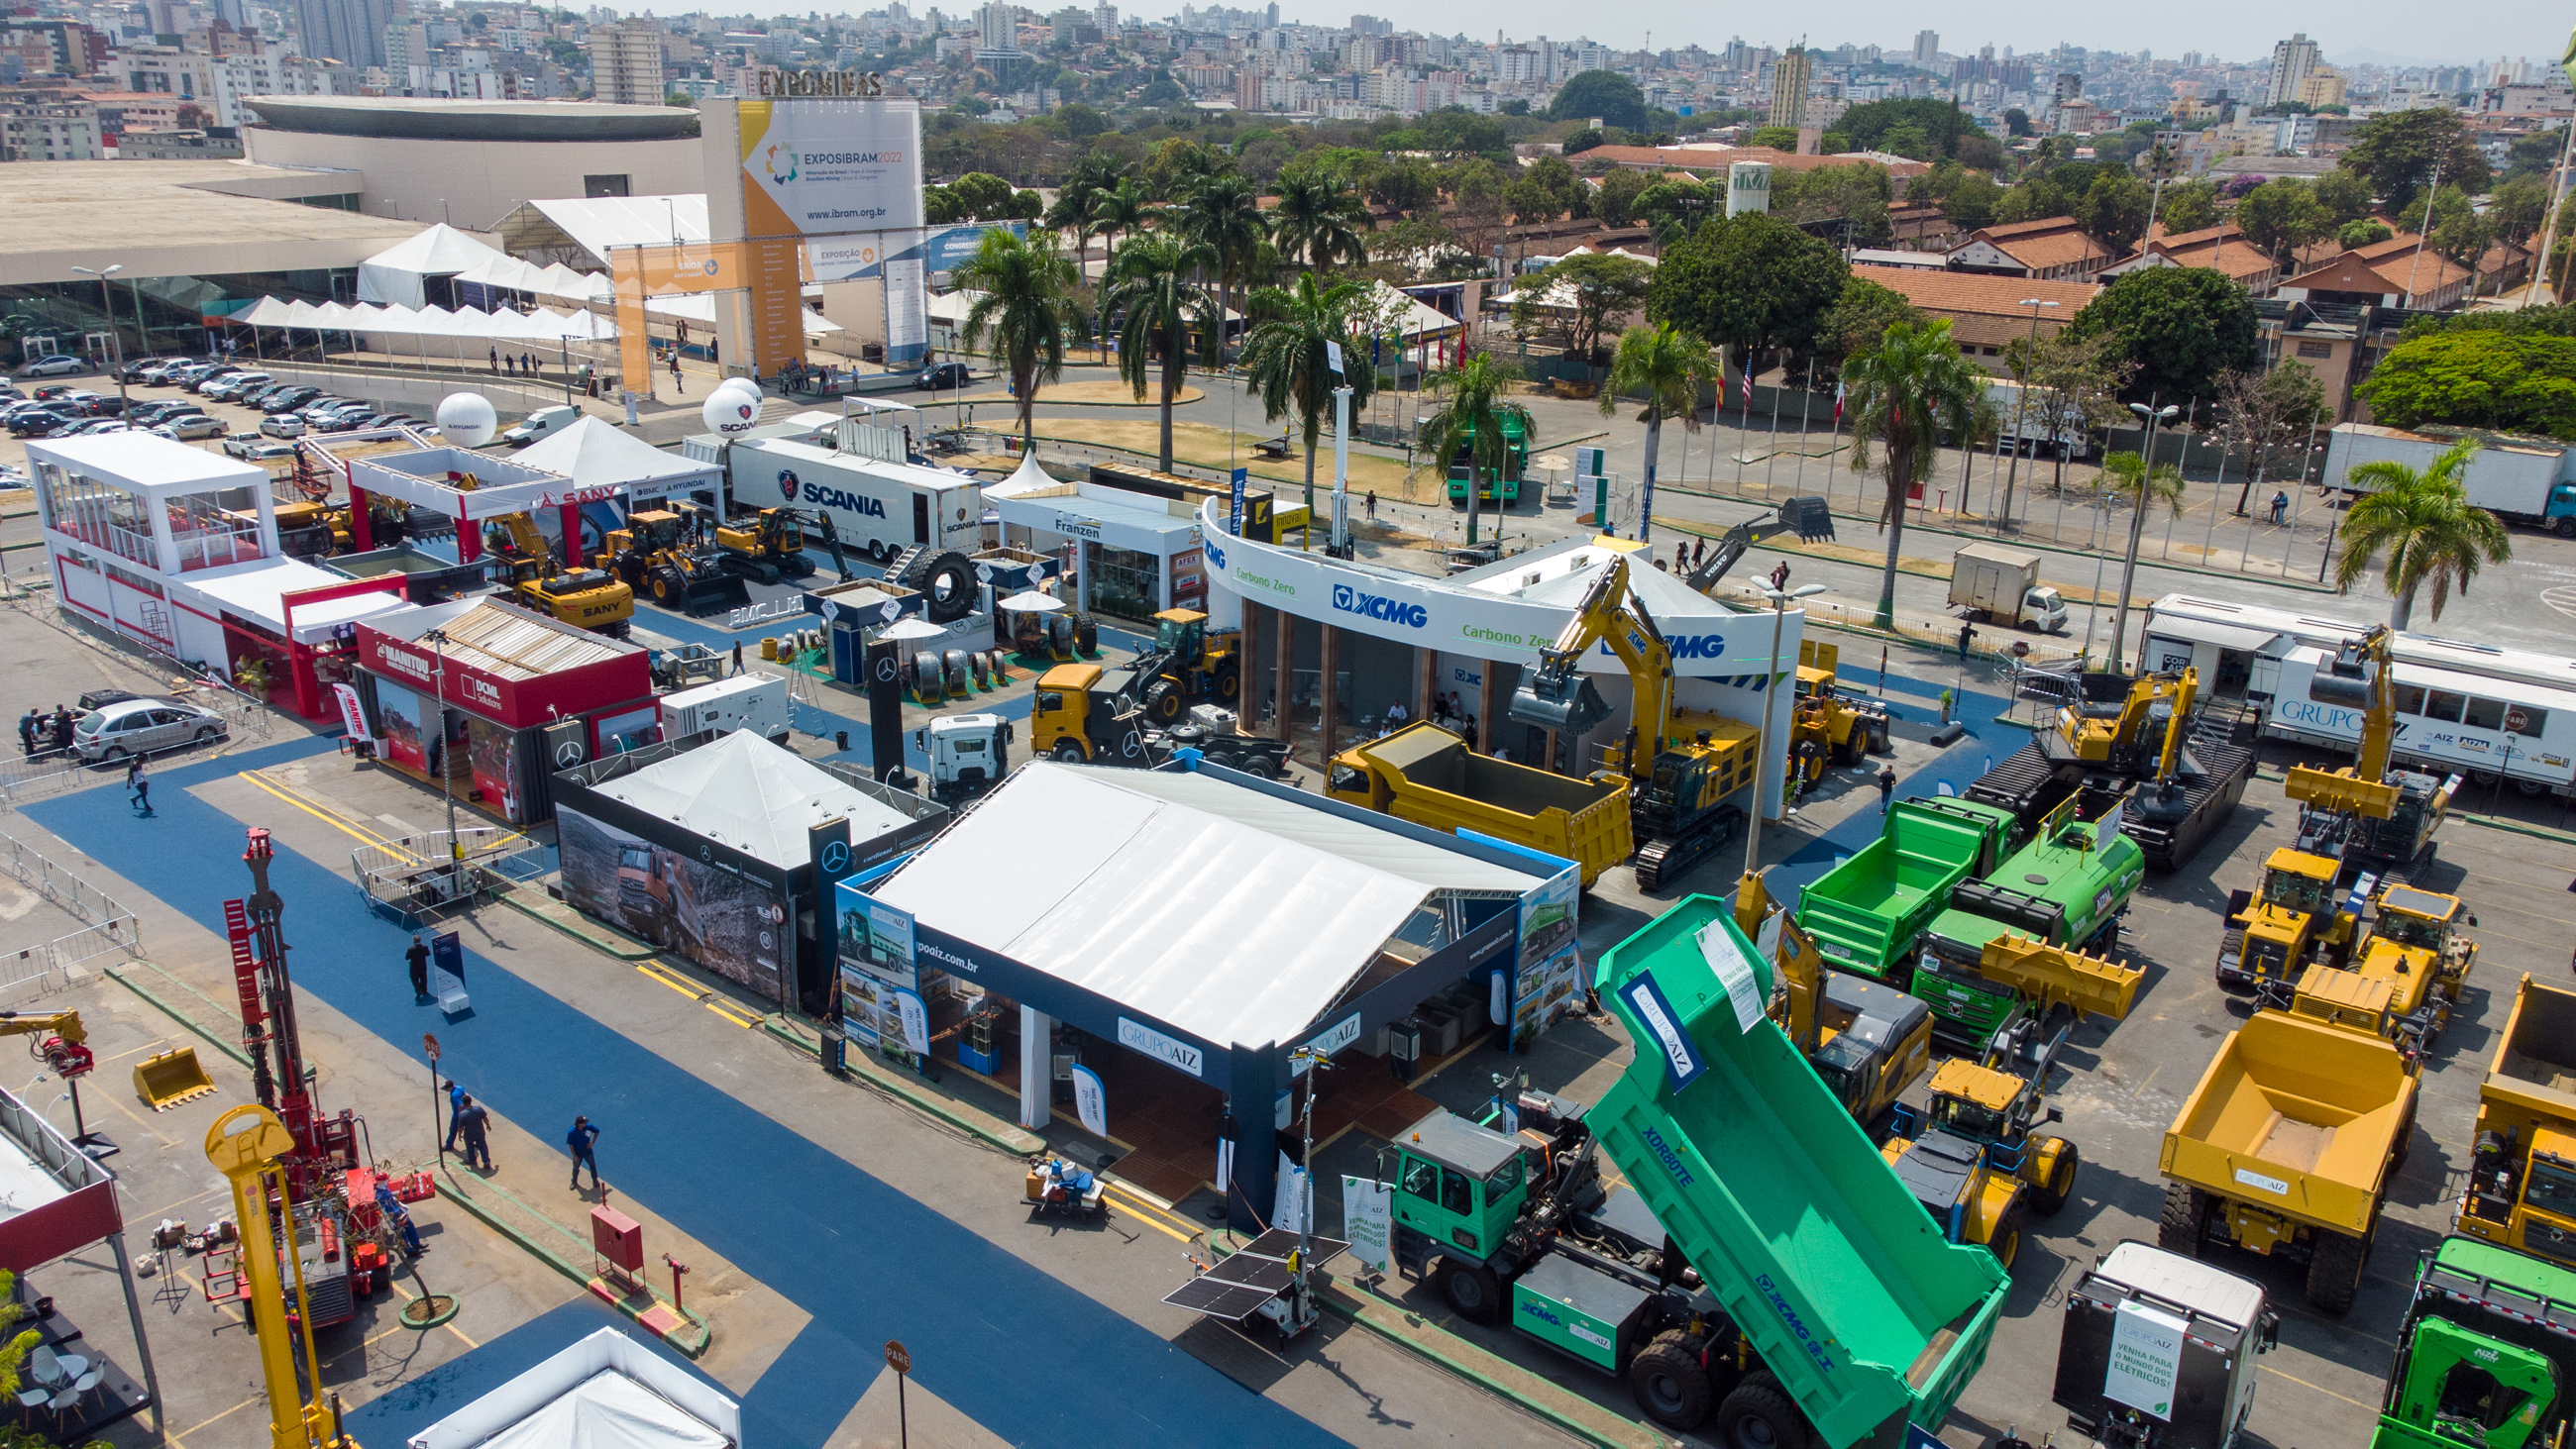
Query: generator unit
<point>755,702</point>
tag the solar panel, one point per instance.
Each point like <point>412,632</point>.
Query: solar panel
<point>1278,1243</point>
<point>1268,1275</point>
<point>1218,1299</point>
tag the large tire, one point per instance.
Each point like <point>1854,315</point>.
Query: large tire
<point>2178,1229</point>
<point>1472,1289</point>
<point>1163,703</point>
<point>1226,685</point>
<point>2005,1241</point>
<point>2334,1271</point>
<point>1759,1414</point>
<point>1265,766</point>
<point>1070,752</point>
<point>1670,1385</point>
<point>2047,1198</point>
<point>946,581</point>
<point>1086,632</point>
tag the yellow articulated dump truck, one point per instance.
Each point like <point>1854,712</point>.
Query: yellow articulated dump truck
<point>1427,775</point>
<point>2522,1168</point>
<point>2287,1145</point>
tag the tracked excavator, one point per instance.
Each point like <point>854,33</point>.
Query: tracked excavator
<point>1681,765</point>
<point>588,598</point>
<point>2365,815</point>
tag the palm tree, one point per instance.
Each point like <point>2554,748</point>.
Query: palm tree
<point>1021,313</point>
<point>1151,294</point>
<point>1288,358</point>
<point>1474,409</point>
<point>1669,367</point>
<point>1221,214</point>
<point>1318,222</point>
<point>2131,478</point>
<point>1095,174</point>
<point>2426,524</point>
<point>1121,210</point>
<point>1904,394</point>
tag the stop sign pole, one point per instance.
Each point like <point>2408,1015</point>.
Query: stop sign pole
<point>899,1359</point>
<point>429,1044</point>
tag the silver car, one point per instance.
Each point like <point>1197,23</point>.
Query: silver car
<point>143,727</point>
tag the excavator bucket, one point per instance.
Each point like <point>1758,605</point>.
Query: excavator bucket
<point>2342,791</point>
<point>173,1077</point>
<point>1810,517</point>
<point>714,589</point>
<point>1568,706</point>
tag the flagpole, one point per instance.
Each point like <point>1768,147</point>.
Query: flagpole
<point>1804,404</point>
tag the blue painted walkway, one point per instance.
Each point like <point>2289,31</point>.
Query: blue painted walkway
<point>1011,1347</point>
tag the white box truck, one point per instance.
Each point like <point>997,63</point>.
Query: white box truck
<point>2001,585</point>
<point>754,702</point>
<point>2530,481</point>
<point>2071,431</point>
<point>878,508</point>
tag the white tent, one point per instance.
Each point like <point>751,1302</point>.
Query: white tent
<point>1410,317</point>
<point>607,1391</point>
<point>399,272</point>
<point>609,1411</point>
<point>600,224</point>
<point>702,309</point>
<point>594,454</point>
<point>753,796</point>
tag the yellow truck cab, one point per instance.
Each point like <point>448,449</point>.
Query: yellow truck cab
<point>1086,714</point>
<point>2296,917</point>
<point>2416,945</point>
<point>2522,1167</point>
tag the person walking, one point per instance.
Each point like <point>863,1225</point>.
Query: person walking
<point>455,1112</point>
<point>474,1120</point>
<point>496,360</point>
<point>138,785</point>
<point>675,373</point>
<point>509,366</point>
<point>1966,632</point>
<point>1372,505</point>
<point>581,1140</point>
<point>1780,577</point>
<point>1886,786</point>
<point>527,365</point>
<point>27,732</point>
<point>418,957</point>
<point>1699,551</point>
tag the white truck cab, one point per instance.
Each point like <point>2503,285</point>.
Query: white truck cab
<point>968,753</point>
<point>2042,609</point>
<point>2158,1351</point>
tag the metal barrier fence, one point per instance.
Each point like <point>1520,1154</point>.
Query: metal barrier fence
<point>416,878</point>
<point>108,927</point>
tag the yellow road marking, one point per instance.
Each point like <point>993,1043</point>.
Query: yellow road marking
<point>1146,1213</point>
<point>712,1001</point>
<point>2329,1393</point>
<point>326,817</point>
<point>219,1418</point>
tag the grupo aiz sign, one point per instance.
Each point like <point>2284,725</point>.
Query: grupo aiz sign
<point>1714,645</point>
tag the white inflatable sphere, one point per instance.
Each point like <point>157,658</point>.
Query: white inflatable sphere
<point>730,412</point>
<point>466,419</point>
<point>742,385</point>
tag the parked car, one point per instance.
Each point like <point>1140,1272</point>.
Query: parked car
<point>54,366</point>
<point>36,423</point>
<point>401,420</point>
<point>52,390</point>
<point>187,427</point>
<point>150,371</point>
<point>282,425</point>
<point>943,376</point>
<point>10,394</point>
<point>89,404</point>
<point>152,412</point>
<point>143,727</point>
<point>135,367</point>
<point>288,399</point>
<point>93,427</point>
<point>200,384</point>
<point>267,398</point>
<point>320,405</point>
<point>252,448</point>
<point>239,385</point>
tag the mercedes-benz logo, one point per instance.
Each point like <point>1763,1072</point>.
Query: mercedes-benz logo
<point>568,754</point>
<point>887,669</point>
<point>707,853</point>
<point>836,858</point>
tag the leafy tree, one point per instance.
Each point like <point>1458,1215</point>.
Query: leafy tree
<point>939,206</point>
<point>2071,380</point>
<point>2141,485</point>
<point>1856,192</point>
<point>2281,217</point>
<point>2177,327</point>
<point>2258,412</point>
<point>2478,378</point>
<point>1121,210</point>
<point>2189,206</point>
<point>1597,288</point>
<point>2423,521</point>
<point>1457,131</point>
<point>1934,128</point>
<point>2533,155</point>
<point>1905,393</point>
<point>1605,94</point>
<point>2551,321</point>
<point>982,196</point>
<point>1318,222</point>
<point>1858,322</point>
<point>1152,293</point>
<point>2519,208</point>
<point>1778,138</point>
<point>2431,210</point>
<point>1545,190</point>
<point>2114,211</point>
<point>1288,358</point>
<point>1615,202</point>
<point>1474,408</point>
<point>1219,216</point>
<point>1408,185</point>
<point>1265,156</point>
<point>1476,191</point>
<point>2364,232</point>
<point>1673,208</point>
<point>1972,201</point>
<point>1347,165</point>
<point>2398,153</point>
<point>1021,313</point>
<point>1079,122</point>
<point>2345,197</point>
<point>1752,282</point>
<point>1096,172</point>
<point>2017,123</point>
<point>1670,369</point>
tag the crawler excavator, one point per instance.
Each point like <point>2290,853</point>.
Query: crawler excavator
<point>2365,815</point>
<point>2183,760</point>
<point>525,563</point>
<point>1681,765</point>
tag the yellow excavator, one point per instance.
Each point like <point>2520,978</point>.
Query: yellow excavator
<point>586,598</point>
<point>2366,815</point>
<point>1681,765</point>
<point>1869,1041</point>
<point>249,1146</point>
<point>2139,733</point>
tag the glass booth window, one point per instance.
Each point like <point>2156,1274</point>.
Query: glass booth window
<point>1126,582</point>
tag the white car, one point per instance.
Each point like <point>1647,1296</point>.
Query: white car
<point>253,449</point>
<point>283,425</point>
<point>187,427</point>
<point>236,385</point>
<point>142,727</point>
<point>55,366</point>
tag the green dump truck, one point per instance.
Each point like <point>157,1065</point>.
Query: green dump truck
<point>1867,913</point>
<point>2486,1355</point>
<point>2067,889</point>
<point>1427,775</point>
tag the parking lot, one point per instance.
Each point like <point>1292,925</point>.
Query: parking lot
<point>235,420</point>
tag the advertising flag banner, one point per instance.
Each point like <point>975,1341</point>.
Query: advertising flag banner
<point>1090,1101</point>
<point>351,715</point>
<point>1368,1217</point>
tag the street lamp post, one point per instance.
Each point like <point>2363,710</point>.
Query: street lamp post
<point>2021,402</point>
<point>2137,523</point>
<point>115,345</point>
<point>1762,725</point>
<point>436,639</point>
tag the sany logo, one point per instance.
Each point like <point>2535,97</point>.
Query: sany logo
<point>1370,606</point>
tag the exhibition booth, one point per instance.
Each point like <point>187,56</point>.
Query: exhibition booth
<point>724,853</point>
<point>1131,554</point>
<point>1154,970</point>
<point>490,699</point>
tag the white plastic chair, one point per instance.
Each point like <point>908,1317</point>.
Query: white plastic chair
<point>46,1368</point>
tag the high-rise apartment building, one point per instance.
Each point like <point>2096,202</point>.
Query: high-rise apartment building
<point>626,62</point>
<point>998,27</point>
<point>2293,60</point>
<point>1790,76</point>
<point>351,31</point>
<point>1927,49</point>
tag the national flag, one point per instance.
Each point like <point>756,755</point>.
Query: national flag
<point>1745,394</point>
<point>1839,390</point>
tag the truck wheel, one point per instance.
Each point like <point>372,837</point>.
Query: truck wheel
<point>2178,1229</point>
<point>1069,751</point>
<point>2564,528</point>
<point>1472,1290</point>
<point>1263,766</point>
<point>1760,1415</point>
<point>2048,1197</point>
<point>2005,1241</point>
<point>2334,1271</point>
<point>1671,1387</point>
<point>1226,686</point>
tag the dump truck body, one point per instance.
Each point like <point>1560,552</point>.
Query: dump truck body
<point>1427,775</point>
<point>1824,1259</point>
<point>2522,1174</point>
<point>1867,912</point>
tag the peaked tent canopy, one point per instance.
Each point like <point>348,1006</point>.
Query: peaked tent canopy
<point>397,273</point>
<point>593,453</point>
<point>609,1411</point>
<point>752,796</point>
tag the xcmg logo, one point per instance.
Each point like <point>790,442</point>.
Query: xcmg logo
<point>1216,555</point>
<point>1370,606</point>
<point>1685,646</point>
<point>858,503</point>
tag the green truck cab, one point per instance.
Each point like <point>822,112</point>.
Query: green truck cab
<point>1459,1191</point>
<point>2485,1356</point>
